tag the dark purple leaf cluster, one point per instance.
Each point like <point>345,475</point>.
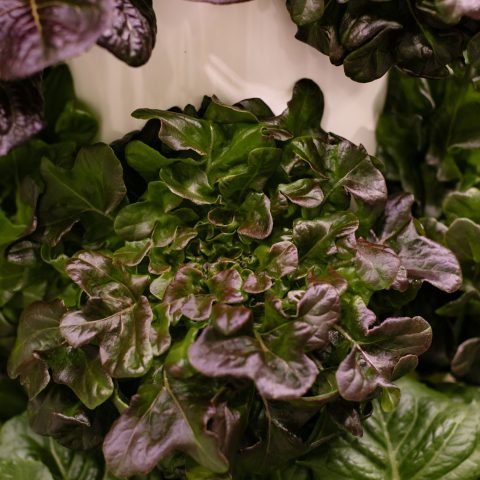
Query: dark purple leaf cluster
<point>368,37</point>
<point>214,286</point>
<point>36,34</point>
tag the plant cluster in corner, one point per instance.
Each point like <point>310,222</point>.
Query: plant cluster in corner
<point>420,37</point>
<point>204,290</point>
<point>36,34</point>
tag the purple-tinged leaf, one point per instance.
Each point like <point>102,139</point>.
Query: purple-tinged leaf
<point>162,420</point>
<point>21,112</point>
<point>226,286</point>
<point>185,295</point>
<point>277,363</point>
<point>320,308</point>
<point>123,337</point>
<point>132,33</point>
<point>379,353</point>
<point>282,259</point>
<point>397,215</point>
<point>466,359</point>
<point>427,260</point>
<point>81,370</point>
<point>257,221</point>
<point>197,307</point>
<point>315,238</point>
<point>38,332</point>
<point>56,413</point>
<point>228,319</point>
<point>257,283</point>
<point>350,167</point>
<point>305,192</point>
<point>101,276</point>
<point>378,266</point>
<point>220,2</point>
<point>35,34</point>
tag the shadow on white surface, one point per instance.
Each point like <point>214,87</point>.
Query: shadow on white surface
<point>235,52</point>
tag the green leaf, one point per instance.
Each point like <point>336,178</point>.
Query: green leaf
<point>377,265</point>
<point>305,192</point>
<point>314,238</point>
<point>24,470</point>
<point>180,131</point>
<point>18,443</point>
<point>145,160</point>
<point>430,435</point>
<point>462,238</point>
<point>93,185</point>
<point>463,205</point>
<point>305,110</point>
<point>189,182</point>
<point>38,332</point>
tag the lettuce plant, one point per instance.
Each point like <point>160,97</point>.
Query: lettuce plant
<point>421,38</point>
<point>210,304</point>
<point>35,34</point>
<point>429,139</point>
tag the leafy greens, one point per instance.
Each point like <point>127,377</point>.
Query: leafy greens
<point>207,286</point>
<point>429,139</point>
